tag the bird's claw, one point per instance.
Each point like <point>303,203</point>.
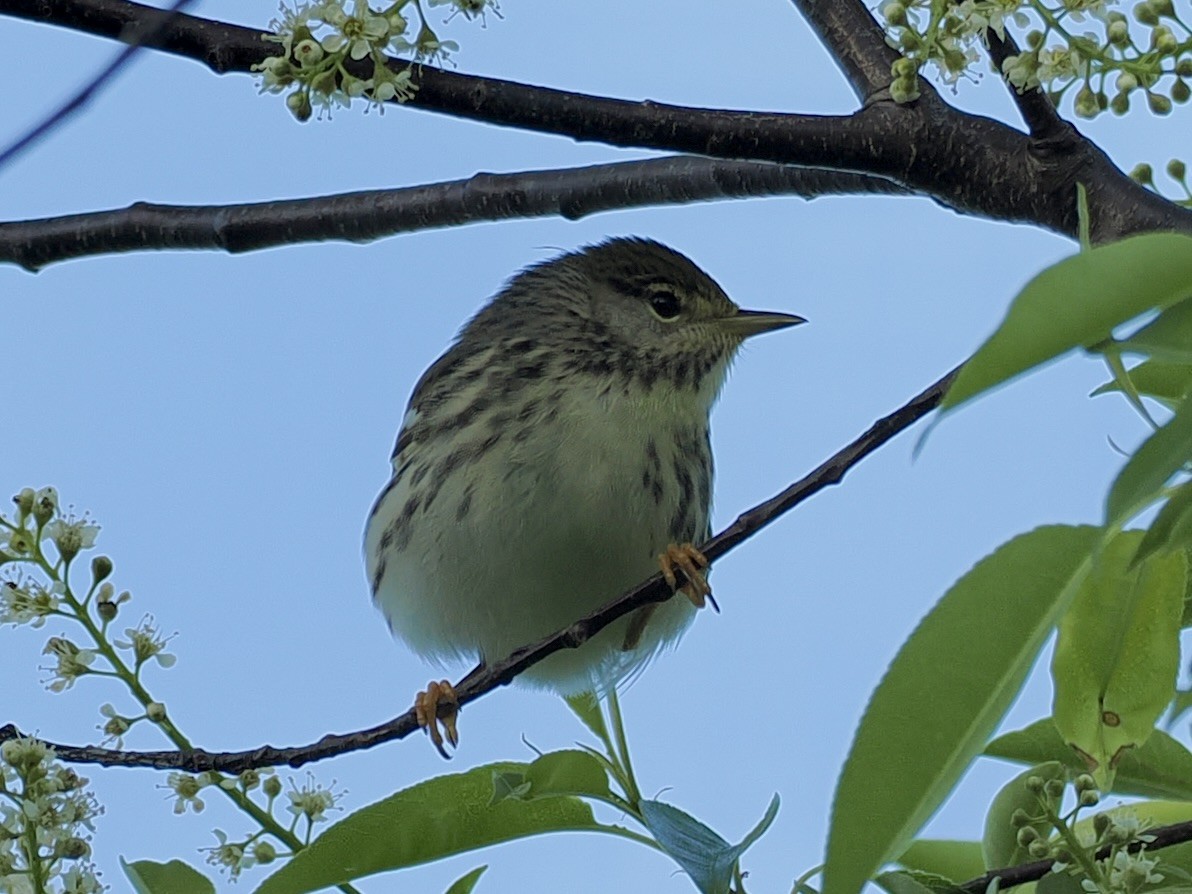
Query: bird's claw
<point>427,705</point>
<point>691,562</point>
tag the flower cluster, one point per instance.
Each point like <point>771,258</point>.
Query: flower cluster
<point>331,56</point>
<point>46,818</point>
<point>1102,56</point>
<point>1073,847</point>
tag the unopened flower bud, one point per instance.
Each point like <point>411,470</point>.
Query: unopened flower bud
<point>271,787</point>
<point>1026,836</point>
<point>20,541</point>
<point>24,501</point>
<point>1159,103</point>
<point>1101,824</point>
<point>299,105</point>
<point>1163,8</point>
<point>1143,174</point>
<point>904,90</point>
<point>1180,92</point>
<point>155,711</point>
<point>1146,15</point>
<point>1089,798</point>
<point>1054,788</point>
<point>1086,103</point>
<point>264,852</point>
<point>1164,41</point>
<point>894,13</point>
<point>45,504</point>
<point>101,567</point>
<point>1038,849</point>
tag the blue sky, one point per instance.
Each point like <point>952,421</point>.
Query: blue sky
<point>228,421</point>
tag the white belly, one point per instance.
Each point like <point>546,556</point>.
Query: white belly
<point>535,548</point>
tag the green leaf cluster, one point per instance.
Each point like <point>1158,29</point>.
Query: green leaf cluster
<point>1115,599</point>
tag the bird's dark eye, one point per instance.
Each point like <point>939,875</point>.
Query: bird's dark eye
<point>665,304</point>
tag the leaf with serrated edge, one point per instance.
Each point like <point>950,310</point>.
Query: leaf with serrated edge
<point>1077,303</point>
<point>945,693</point>
<point>1117,654</point>
<point>1150,467</point>
<point>1172,527</point>
<point>707,858</point>
<point>431,820</point>
<point>567,772</point>
<point>912,882</point>
<point>957,860</point>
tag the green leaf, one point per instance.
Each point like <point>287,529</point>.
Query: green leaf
<point>706,857</point>
<point>465,883</point>
<point>1168,382</point>
<point>956,860</point>
<point>1118,653</point>
<point>1058,883</point>
<point>1077,303</point>
<point>175,877</point>
<point>434,819</point>
<point>567,772</point>
<point>912,882</point>
<point>944,694</point>
<point>1168,337</point>
<point>1150,467</point>
<point>586,707</point>
<point>1179,706</point>
<point>999,845</point>
<point>1160,768</point>
<point>1172,527</point>
<point>509,785</point>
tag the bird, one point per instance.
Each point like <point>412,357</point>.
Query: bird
<point>555,455</point>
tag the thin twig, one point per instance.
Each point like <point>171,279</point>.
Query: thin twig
<point>141,33</point>
<point>500,673</point>
<point>572,193</point>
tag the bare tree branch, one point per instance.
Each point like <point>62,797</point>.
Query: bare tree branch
<point>1036,109</point>
<point>856,42</point>
<point>485,679</point>
<point>572,193</point>
<point>972,164</point>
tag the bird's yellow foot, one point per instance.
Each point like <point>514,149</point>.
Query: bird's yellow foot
<point>691,562</point>
<point>426,711</point>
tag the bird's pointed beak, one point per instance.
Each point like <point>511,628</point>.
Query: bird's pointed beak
<point>745,323</point>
